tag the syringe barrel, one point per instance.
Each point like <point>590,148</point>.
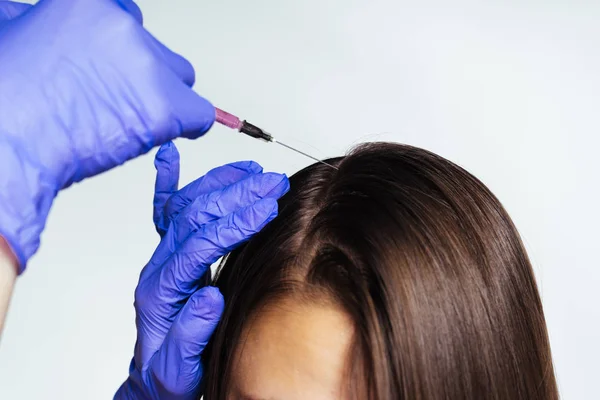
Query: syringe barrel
<point>227,119</point>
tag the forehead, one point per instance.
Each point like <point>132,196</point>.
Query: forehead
<point>292,351</point>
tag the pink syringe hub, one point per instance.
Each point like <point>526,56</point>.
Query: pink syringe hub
<point>245,127</point>
<point>228,120</point>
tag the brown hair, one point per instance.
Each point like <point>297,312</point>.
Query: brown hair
<point>423,259</point>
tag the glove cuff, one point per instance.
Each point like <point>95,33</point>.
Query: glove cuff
<point>25,199</point>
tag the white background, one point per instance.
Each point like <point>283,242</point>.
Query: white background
<point>508,89</point>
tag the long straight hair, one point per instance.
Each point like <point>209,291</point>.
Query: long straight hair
<point>423,259</point>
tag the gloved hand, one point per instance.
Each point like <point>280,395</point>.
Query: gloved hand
<point>83,88</point>
<point>198,224</point>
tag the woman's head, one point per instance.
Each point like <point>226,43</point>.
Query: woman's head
<point>398,275</point>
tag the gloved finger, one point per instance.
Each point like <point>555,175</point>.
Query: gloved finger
<point>212,206</point>
<point>132,8</point>
<point>177,63</point>
<point>190,115</point>
<point>181,274</point>
<point>214,180</point>
<point>177,366</point>
<point>166,163</point>
<point>218,204</point>
<point>10,10</point>
<point>163,289</point>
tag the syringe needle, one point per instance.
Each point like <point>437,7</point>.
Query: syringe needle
<point>301,152</point>
<point>254,131</point>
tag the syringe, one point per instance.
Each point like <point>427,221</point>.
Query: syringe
<point>233,122</point>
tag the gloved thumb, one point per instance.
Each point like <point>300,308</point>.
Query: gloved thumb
<point>166,163</point>
<point>12,9</point>
<point>177,365</point>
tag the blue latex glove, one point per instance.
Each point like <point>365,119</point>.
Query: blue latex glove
<point>83,88</point>
<point>198,224</point>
